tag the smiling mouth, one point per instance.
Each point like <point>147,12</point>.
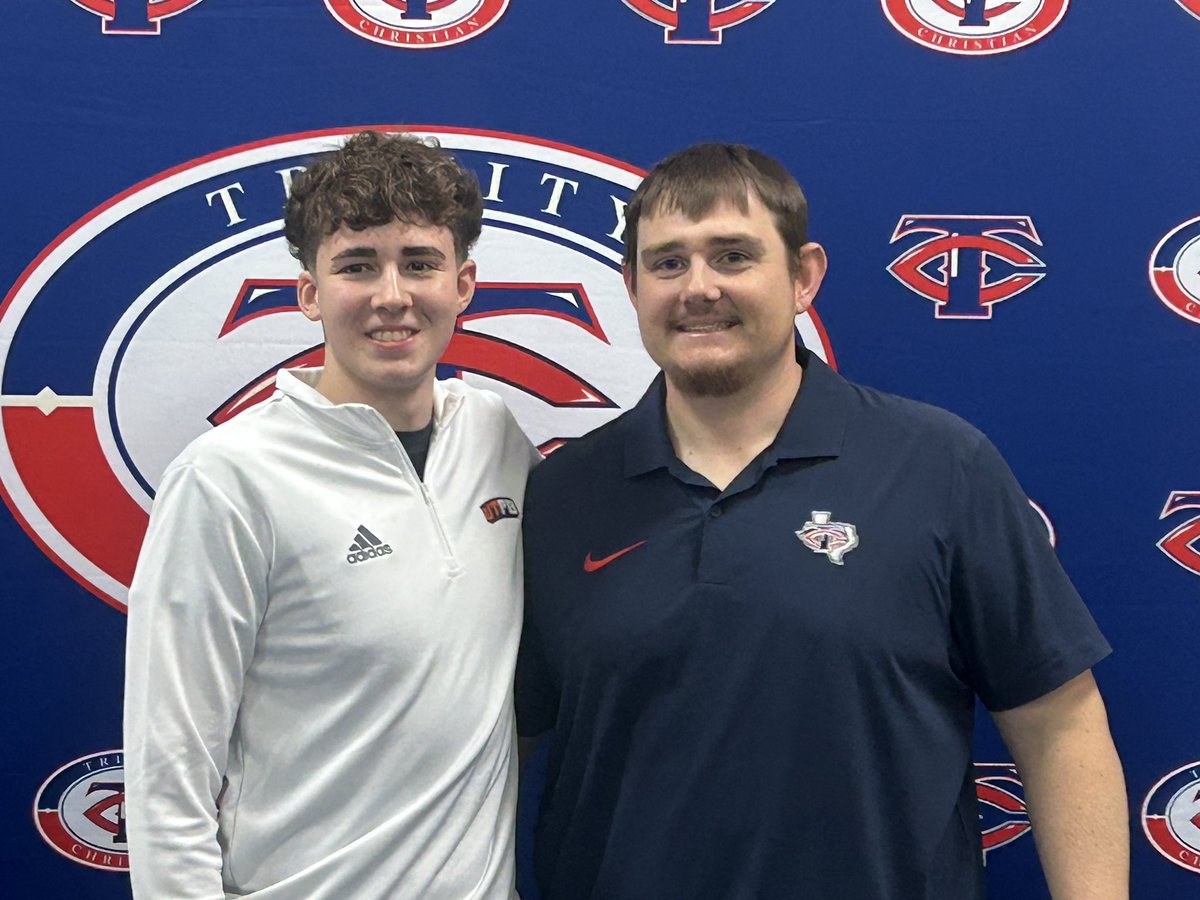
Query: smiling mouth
<point>391,334</point>
<point>705,327</point>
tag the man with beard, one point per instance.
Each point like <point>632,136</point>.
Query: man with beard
<point>760,605</point>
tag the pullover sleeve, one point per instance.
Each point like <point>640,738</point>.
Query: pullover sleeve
<point>195,605</point>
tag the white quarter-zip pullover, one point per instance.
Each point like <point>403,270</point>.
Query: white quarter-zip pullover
<point>320,655</point>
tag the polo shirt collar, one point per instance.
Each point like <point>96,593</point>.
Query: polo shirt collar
<point>813,428</point>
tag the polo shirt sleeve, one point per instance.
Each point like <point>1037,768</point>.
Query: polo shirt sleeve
<point>1020,628</point>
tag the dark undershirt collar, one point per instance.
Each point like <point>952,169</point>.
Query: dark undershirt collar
<point>416,445</point>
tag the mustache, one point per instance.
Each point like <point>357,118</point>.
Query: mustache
<point>705,312</point>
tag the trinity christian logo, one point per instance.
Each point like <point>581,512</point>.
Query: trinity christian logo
<point>833,539</point>
<point>417,24</point>
<point>696,21</point>
<point>1182,545</point>
<point>1171,816</point>
<point>975,27</point>
<point>134,16</point>
<point>966,264</point>
<point>199,312</point>
<point>80,811</point>
<point>1001,796</point>
<point>1175,268</point>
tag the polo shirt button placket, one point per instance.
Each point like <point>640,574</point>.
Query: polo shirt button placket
<point>712,561</point>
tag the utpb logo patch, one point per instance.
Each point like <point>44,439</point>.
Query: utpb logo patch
<point>417,24</point>
<point>80,811</point>
<point>199,311</point>
<point>1002,814</point>
<point>1171,817</point>
<point>134,16</point>
<point>967,264</point>
<point>975,27</point>
<point>500,508</point>
<point>696,21</point>
<point>1182,544</point>
<point>1175,269</point>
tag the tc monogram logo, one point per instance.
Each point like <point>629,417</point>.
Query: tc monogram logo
<point>134,16</point>
<point>964,265</point>
<point>1180,544</point>
<point>696,21</point>
<point>1002,814</point>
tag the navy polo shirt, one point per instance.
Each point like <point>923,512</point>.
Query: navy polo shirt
<point>769,691</point>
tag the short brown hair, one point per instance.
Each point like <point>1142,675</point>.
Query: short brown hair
<point>376,178</point>
<point>695,180</point>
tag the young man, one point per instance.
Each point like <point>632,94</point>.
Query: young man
<point>325,615</point>
<point>761,604</point>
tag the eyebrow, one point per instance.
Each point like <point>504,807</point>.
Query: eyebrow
<point>732,240</point>
<point>372,253</point>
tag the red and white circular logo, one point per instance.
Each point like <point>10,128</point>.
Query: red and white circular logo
<point>80,811</point>
<point>1175,270</point>
<point>199,310</point>
<point>417,24</point>
<point>1171,816</point>
<point>133,17</point>
<point>975,27</point>
<point>1192,6</point>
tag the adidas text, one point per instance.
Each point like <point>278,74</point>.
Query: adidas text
<point>370,553</point>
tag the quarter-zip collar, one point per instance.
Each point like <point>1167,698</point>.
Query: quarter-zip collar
<point>358,422</point>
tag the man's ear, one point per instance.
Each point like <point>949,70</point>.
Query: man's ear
<point>466,284</point>
<point>810,272</point>
<point>630,277</point>
<point>306,296</point>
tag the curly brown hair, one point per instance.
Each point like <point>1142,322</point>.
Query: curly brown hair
<point>376,178</point>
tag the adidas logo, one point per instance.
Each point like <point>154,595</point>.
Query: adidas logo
<point>366,546</point>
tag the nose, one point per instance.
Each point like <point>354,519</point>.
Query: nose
<point>392,293</point>
<point>701,283</point>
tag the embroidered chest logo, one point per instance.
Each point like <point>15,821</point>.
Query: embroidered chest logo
<point>366,546</point>
<point>500,508</point>
<point>595,565</point>
<point>834,539</point>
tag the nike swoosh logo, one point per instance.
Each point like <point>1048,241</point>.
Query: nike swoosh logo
<point>593,565</point>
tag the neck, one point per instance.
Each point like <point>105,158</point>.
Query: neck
<point>408,417</point>
<point>404,410</point>
<point>717,437</point>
